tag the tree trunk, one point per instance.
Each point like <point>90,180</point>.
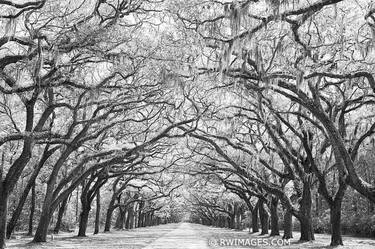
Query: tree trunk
<point>151,219</point>
<point>46,215</point>
<point>60,216</point>
<point>47,209</point>
<point>288,224</point>
<point>3,215</point>
<point>317,204</point>
<point>32,211</point>
<point>128,217</point>
<point>42,229</point>
<point>238,221</point>
<point>135,214</point>
<point>29,186</point>
<point>223,221</point>
<point>232,221</point>
<point>97,213</point>
<point>131,216</point>
<point>77,204</point>
<point>108,219</point>
<point>335,211</point>
<point>148,219</point>
<point>254,218</point>
<point>120,218</point>
<point>17,212</point>
<point>264,218</point>
<point>307,232</point>
<point>274,217</point>
<point>140,213</point>
<point>83,220</point>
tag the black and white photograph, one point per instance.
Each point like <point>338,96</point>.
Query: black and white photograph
<point>187,124</point>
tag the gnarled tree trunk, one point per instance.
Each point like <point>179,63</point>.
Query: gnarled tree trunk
<point>335,211</point>
<point>307,232</point>
<point>264,218</point>
<point>274,217</point>
<point>288,224</point>
<point>83,221</point>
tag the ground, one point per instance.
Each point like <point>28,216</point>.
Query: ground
<point>183,236</point>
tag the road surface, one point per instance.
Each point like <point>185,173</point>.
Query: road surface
<point>180,236</point>
<point>186,236</point>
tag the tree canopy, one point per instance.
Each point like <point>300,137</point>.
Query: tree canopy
<point>220,112</point>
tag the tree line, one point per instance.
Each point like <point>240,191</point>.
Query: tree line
<point>290,93</point>
<point>83,107</point>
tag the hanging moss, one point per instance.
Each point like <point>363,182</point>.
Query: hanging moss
<point>226,57</point>
<point>275,6</point>
<point>299,80</point>
<point>236,11</point>
<point>10,27</point>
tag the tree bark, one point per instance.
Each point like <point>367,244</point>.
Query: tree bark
<point>77,205</point>
<point>3,215</point>
<point>116,195</point>
<point>254,218</point>
<point>15,170</point>
<point>17,212</point>
<point>130,218</point>
<point>151,219</point>
<point>97,213</point>
<point>335,211</point>
<point>264,218</point>
<point>47,209</point>
<point>274,217</point>
<point>32,211</point>
<point>83,220</point>
<point>30,184</point>
<point>140,214</point>
<point>60,216</point>
<point>120,218</point>
<point>317,204</point>
<point>307,232</point>
<point>232,221</point>
<point>108,218</point>
<point>127,223</point>
<point>238,221</point>
<point>135,214</point>
<point>42,229</point>
<point>288,224</point>
<point>85,211</point>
